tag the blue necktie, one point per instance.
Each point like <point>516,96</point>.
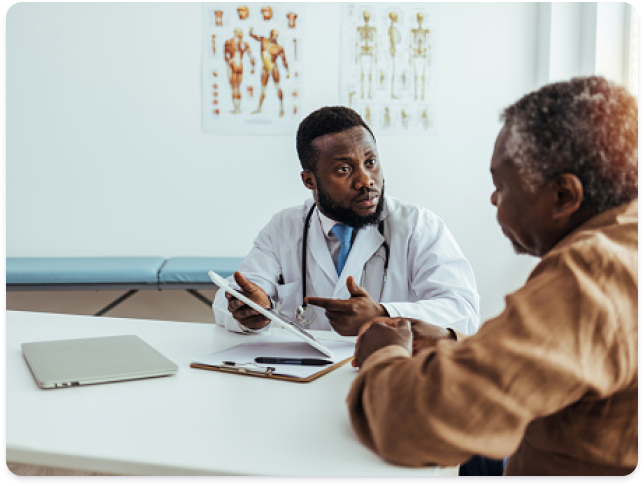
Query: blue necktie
<point>343,232</point>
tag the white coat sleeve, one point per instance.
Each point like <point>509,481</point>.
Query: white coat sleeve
<point>442,285</point>
<point>261,266</point>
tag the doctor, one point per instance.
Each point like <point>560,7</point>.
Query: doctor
<point>351,253</point>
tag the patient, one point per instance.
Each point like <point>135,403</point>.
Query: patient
<point>552,381</point>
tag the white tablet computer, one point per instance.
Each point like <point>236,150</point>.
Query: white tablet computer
<point>278,319</point>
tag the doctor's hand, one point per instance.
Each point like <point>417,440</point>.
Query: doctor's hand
<point>244,314</point>
<point>379,333</point>
<point>346,316</point>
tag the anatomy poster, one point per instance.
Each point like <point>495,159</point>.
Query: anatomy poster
<point>251,79</point>
<point>387,65</point>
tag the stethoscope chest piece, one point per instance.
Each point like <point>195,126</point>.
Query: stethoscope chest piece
<point>304,314</point>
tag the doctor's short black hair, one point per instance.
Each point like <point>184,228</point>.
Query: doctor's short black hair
<point>326,120</point>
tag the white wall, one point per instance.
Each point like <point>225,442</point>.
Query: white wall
<point>105,153</point>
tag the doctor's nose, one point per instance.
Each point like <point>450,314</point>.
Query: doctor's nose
<point>362,179</point>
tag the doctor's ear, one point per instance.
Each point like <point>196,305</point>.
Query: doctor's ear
<point>308,178</point>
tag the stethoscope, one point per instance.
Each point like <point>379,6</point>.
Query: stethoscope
<point>301,313</point>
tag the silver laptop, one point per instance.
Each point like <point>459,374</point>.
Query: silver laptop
<point>74,362</point>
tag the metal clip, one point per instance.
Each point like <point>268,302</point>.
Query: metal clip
<point>247,367</point>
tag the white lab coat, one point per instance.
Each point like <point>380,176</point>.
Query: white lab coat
<point>428,276</point>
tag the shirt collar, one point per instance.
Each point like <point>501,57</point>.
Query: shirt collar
<point>326,222</point>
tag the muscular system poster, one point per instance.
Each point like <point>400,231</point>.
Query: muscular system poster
<point>251,78</point>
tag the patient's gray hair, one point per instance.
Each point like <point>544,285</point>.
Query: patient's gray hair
<point>586,127</point>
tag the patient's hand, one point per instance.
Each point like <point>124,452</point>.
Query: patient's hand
<point>379,333</point>
<point>244,314</point>
<point>427,335</point>
<point>424,335</point>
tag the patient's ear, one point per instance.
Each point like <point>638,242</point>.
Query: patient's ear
<point>569,195</point>
<point>309,180</point>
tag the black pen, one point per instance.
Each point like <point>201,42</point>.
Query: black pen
<point>294,361</point>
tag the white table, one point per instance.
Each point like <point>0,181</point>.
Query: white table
<point>194,423</point>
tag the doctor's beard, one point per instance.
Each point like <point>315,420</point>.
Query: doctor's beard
<point>346,215</point>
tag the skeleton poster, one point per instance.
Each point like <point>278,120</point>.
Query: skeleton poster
<point>387,64</point>
<point>251,79</point>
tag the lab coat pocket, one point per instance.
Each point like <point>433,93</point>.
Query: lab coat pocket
<point>289,297</point>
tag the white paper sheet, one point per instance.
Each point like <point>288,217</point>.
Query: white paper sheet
<point>281,346</point>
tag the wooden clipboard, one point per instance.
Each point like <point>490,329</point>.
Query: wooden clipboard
<point>243,370</point>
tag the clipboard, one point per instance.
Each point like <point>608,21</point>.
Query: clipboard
<point>268,373</point>
<point>240,359</point>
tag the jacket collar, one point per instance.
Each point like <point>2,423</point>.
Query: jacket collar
<point>626,213</point>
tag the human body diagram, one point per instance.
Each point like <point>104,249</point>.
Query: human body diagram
<point>270,52</point>
<point>246,48</point>
<point>234,50</point>
<point>394,40</point>
<point>419,55</point>
<point>388,76</point>
<point>366,53</point>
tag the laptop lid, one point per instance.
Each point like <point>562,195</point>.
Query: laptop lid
<point>87,361</point>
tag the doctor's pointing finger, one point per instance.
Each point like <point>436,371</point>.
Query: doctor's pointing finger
<point>346,316</point>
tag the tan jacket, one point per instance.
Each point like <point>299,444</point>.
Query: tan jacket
<point>552,381</point>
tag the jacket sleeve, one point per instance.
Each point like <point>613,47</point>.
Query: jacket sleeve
<point>441,280</point>
<point>555,342</point>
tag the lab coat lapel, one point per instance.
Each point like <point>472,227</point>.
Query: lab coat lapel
<point>319,250</point>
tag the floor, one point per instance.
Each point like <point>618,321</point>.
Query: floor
<point>165,305</point>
